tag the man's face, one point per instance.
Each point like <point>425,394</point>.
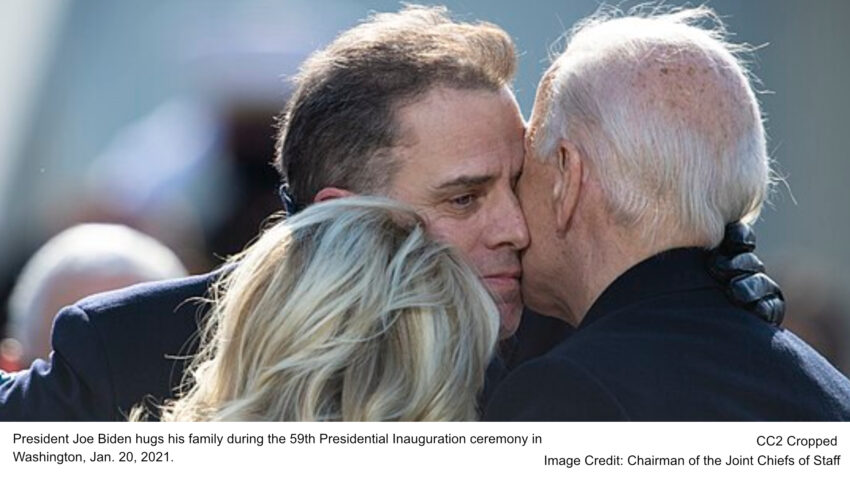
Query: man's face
<point>535,190</point>
<point>460,157</point>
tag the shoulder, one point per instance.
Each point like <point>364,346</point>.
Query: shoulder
<point>111,350</point>
<point>150,318</point>
<point>73,385</point>
<point>144,334</point>
<point>149,295</point>
<point>553,388</point>
<point>817,383</point>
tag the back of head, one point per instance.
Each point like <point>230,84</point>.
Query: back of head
<point>339,127</point>
<point>666,116</point>
<point>80,261</point>
<point>346,311</point>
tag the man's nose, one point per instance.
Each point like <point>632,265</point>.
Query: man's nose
<point>509,228</point>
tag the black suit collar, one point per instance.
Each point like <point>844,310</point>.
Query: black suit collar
<point>670,271</point>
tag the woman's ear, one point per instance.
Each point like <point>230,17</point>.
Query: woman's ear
<point>568,184</point>
<point>332,193</point>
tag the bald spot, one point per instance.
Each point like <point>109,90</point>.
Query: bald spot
<point>668,73</point>
<point>694,89</point>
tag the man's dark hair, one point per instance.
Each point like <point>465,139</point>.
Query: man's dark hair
<point>338,128</point>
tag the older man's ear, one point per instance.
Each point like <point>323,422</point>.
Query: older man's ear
<point>568,184</point>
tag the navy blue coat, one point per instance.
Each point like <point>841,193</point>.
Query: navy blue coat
<point>111,351</point>
<point>662,343</point>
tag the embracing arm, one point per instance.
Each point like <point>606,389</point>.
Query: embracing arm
<point>73,384</point>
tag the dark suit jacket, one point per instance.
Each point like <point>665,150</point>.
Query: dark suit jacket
<point>111,351</point>
<point>664,343</point>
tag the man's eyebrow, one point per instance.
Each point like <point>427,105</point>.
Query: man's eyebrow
<point>465,181</point>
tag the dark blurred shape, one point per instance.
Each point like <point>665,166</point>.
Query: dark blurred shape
<point>249,140</point>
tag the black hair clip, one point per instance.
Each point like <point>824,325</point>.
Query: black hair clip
<point>286,199</point>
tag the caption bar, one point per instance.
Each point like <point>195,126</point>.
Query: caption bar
<point>589,449</point>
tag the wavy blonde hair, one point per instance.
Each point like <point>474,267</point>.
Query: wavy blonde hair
<point>347,311</point>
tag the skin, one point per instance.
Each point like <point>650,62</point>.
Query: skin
<point>460,157</point>
<point>548,191</point>
<point>536,186</point>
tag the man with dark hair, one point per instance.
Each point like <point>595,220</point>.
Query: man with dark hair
<point>411,105</point>
<point>417,107</point>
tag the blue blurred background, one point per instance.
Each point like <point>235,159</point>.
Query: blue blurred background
<point>159,114</point>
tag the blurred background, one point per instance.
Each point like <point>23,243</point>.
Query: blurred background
<point>159,115</point>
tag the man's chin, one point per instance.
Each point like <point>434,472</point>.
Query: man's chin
<point>511,315</point>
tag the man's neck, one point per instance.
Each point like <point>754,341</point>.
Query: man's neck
<point>605,257</point>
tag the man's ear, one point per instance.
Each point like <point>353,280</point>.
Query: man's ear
<point>332,193</point>
<point>568,184</point>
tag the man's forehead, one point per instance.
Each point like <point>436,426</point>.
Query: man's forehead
<point>459,123</point>
<point>474,167</point>
<point>453,112</point>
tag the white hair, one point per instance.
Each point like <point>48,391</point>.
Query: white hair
<point>79,253</point>
<point>662,108</point>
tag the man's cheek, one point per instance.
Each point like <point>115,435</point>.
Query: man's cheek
<point>457,234</point>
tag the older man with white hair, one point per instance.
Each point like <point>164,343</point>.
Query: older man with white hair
<point>645,140</point>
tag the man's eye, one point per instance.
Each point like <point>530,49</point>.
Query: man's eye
<point>462,201</point>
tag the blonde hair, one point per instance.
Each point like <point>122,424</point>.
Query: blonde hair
<point>347,311</point>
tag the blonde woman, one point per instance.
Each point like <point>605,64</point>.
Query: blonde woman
<point>346,311</point>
